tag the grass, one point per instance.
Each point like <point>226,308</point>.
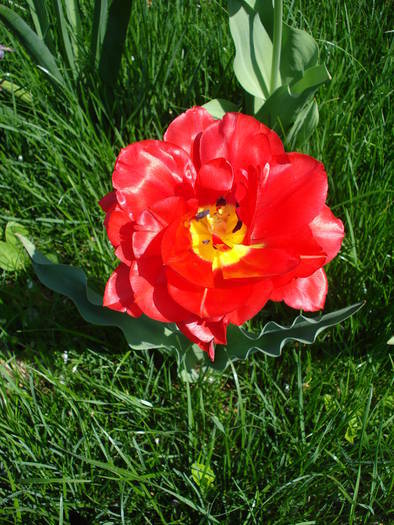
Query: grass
<point>92,432</point>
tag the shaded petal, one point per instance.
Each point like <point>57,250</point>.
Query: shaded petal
<point>240,139</point>
<point>257,299</point>
<point>149,171</point>
<point>307,293</point>
<point>214,180</point>
<point>108,201</point>
<point>328,231</point>
<point>118,294</point>
<point>205,333</point>
<point>186,129</point>
<point>120,230</point>
<point>147,279</point>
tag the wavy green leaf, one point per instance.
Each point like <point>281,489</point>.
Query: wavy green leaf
<point>141,333</point>
<point>32,43</point>
<point>12,255</point>
<point>272,338</point>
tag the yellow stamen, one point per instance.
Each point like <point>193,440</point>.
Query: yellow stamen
<point>217,235</point>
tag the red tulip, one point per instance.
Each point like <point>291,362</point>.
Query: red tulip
<point>215,220</point>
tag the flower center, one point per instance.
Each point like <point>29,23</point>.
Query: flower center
<point>217,234</point>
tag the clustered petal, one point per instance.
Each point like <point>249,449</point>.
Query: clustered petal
<point>215,220</point>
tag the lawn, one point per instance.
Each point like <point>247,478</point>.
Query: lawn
<point>93,432</point>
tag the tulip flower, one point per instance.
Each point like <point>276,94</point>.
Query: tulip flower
<point>214,221</point>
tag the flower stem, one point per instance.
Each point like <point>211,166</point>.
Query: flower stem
<point>277,45</point>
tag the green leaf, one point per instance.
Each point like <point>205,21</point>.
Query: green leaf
<point>98,31</point>
<point>73,16</point>
<point>32,43</point>
<point>11,258</point>
<point>203,475</point>
<point>11,230</point>
<point>273,337</point>
<point>141,333</point>
<point>114,40</point>
<point>282,107</point>
<point>219,106</point>
<point>251,26</point>
<point>299,53</point>
<point>12,255</point>
<point>354,427</point>
<point>253,48</point>
<point>304,125</point>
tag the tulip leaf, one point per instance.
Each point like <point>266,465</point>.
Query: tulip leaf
<point>283,106</point>
<point>31,42</point>
<point>252,45</point>
<point>271,340</point>
<point>304,125</point>
<point>219,106</point>
<point>276,102</point>
<point>141,333</point>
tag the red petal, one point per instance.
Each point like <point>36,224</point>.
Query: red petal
<point>108,201</point>
<point>206,302</point>
<point>178,254</point>
<point>303,246</point>
<point>116,222</point>
<point>214,180</point>
<point>118,294</point>
<point>185,129</point>
<point>240,139</point>
<point>149,171</point>
<point>120,230</point>
<point>289,198</point>
<point>148,281</point>
<point>307,294</point>
<point>259,295</point>
<point>264,262</point>
<point>205,333</point>
<point>328,231</point>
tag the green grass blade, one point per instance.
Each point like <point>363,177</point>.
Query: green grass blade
<point>98,31</point>
<point>31,42</point>
<point>73,17</point>
<point>114,41</point>
<point>66,37</point>
<point>40,19</point>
